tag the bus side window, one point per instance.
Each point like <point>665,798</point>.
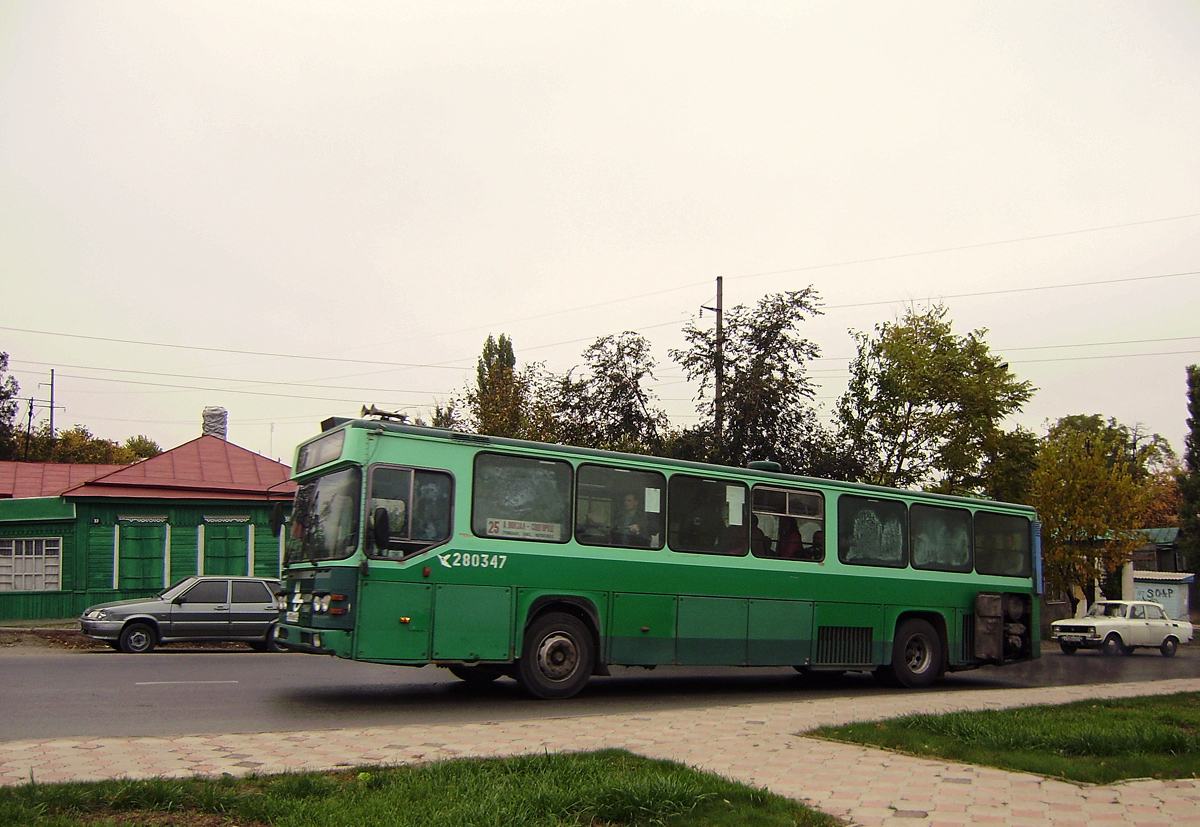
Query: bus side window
<point>618,507</point>
<point>707,516</point>
<point>872,532</point>
<point>521,498</point>
<point>941,538</point>
<point>1002,545</point>
<point>787,524</point>
<point>418,508</point>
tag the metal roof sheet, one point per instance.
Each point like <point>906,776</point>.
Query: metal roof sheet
<point>22,480</point>
<point>208,467</point>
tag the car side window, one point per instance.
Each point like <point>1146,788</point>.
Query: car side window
<point>1155,613</point>
<point>1137,613</point>
<point>251,591</point>
<point>208,591</point>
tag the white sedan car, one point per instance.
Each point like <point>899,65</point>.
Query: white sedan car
<point>1117,627</point>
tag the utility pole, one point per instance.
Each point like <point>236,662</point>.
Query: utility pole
<point>719,363</point>
<point>34,402</point>
<point>28,429</point>
<point>52,403</point>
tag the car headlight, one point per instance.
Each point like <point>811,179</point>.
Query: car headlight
<point>96,614</point>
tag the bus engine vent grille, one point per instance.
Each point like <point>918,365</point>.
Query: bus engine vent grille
<point>968,638</point>
<point>844,644</point>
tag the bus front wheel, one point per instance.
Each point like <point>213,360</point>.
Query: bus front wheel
<point>557,657</point>
<point>916,655</point>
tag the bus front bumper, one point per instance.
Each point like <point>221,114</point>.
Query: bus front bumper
<point>314,641</point>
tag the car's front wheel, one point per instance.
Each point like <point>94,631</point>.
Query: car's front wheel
<point>1168,647</point>
<point>1068,648</point>
<point>1113,645</point>
<point>138,638</point>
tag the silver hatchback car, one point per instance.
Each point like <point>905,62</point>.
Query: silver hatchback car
<point>203,608</point>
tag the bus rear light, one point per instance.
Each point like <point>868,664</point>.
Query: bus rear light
<point>337,597</point>
<point>337,610</point>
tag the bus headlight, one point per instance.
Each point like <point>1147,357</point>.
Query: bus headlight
<point>316,641</point>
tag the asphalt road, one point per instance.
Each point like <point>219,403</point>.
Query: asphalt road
<point>48,693</point>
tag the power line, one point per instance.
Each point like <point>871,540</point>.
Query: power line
<point>449,364</point>
<point>965,247</point>
<point>233,351</point>
<point>217,378</point>
<point>223,390</point>
<point>1027,289</point>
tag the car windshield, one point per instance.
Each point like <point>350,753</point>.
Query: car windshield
<point>324,524</point>
<point>1107,610</point>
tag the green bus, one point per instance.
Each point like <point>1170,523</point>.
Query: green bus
<point>549,564</point>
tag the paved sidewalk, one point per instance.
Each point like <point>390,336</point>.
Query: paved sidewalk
<point>757,743</point>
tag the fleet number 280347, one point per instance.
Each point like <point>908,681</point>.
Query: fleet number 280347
<point>460,559</point>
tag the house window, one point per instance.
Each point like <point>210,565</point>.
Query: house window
<point>30,565</point>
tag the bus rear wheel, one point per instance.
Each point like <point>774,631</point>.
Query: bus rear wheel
<point>916,655</point>
<point>557,657</point>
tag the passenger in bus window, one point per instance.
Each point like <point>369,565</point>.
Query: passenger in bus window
<point>760,544</point>
<point>818,545</point>
<point>632,527</point>
<point>790,544</point>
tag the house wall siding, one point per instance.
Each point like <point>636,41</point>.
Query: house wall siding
<point>149,532</point>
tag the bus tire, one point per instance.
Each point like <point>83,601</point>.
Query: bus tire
<point>916,654</point>
<point>557,657</point>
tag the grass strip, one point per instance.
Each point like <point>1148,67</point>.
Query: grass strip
<point>611,788</point>
<point>1096,742</point>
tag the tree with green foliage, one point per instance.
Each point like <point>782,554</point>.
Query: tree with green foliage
<point>1189,478</point>
<point>1142,453</point>
<point>766,392</point>
<point>497,400</point>
<point>923,404</point>
<point>610,406</point>
<point>79,445</point>
<point>142,447</point>
<point>1088,506</point>
<point>1010,458</point>
<point>9,389</point>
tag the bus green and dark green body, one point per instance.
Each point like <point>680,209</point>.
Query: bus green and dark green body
<point>466,565</point>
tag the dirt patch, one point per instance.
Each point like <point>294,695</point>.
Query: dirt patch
<point>47,639</point>
<point>72,639</point>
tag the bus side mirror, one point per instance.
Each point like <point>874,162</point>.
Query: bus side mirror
<point>382,528</point>
<point>276,519</point>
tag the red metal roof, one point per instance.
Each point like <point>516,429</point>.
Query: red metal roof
<point>46,479</point>
<point>205,468</point>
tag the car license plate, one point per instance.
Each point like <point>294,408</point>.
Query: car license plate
<point>292,617</point>
<point>1071,638</point>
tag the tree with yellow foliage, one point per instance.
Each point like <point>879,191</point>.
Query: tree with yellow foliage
<point>1089,507</point>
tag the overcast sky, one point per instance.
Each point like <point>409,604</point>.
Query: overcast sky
<point>293,209</point>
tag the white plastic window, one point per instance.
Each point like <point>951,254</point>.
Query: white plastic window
<point>30,564</point>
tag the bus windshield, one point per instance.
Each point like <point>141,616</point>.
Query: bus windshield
<point>325,517</point>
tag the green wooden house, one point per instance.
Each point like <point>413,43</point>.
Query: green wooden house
<point>72,536</point>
